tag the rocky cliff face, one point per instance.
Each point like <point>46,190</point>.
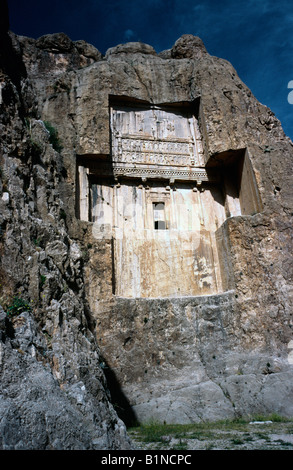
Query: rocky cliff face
<point>53,390</point>
<point>177,360</point>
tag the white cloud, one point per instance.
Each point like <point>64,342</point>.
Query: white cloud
<point>129,34</point>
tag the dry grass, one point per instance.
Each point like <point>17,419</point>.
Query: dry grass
<point>257,433</point>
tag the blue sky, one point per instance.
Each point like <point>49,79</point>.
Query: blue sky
<point>256,36</point>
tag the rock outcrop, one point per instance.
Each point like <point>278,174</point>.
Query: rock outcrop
<point>181,359</point>
<point>54,393</point>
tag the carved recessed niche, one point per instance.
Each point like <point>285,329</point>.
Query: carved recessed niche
<point>158,202</point>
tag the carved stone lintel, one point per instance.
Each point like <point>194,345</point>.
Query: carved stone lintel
<point>190,174</point>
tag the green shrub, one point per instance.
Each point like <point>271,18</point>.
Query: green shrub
<point>54,138</point>
<point>17,306</point>
<point>42,280</point>
<point>36,148</point>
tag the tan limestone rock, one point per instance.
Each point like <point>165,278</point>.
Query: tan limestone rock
<point>204,352</point>
<point>188,47</point>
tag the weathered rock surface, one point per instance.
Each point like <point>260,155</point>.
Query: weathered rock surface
<point>44,406</point>
<point>185,360</point>
<point>188,47</point>
<point>130,48</point>
<point>53,392</point>
<point>174,359</point>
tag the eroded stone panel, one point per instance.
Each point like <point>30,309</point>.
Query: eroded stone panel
<point>164,238</point>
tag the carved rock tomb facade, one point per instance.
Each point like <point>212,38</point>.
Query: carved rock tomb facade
<point>158,203</point>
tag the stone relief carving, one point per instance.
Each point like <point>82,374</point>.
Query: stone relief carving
<point>161,137</point>
<point>163,173</point>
